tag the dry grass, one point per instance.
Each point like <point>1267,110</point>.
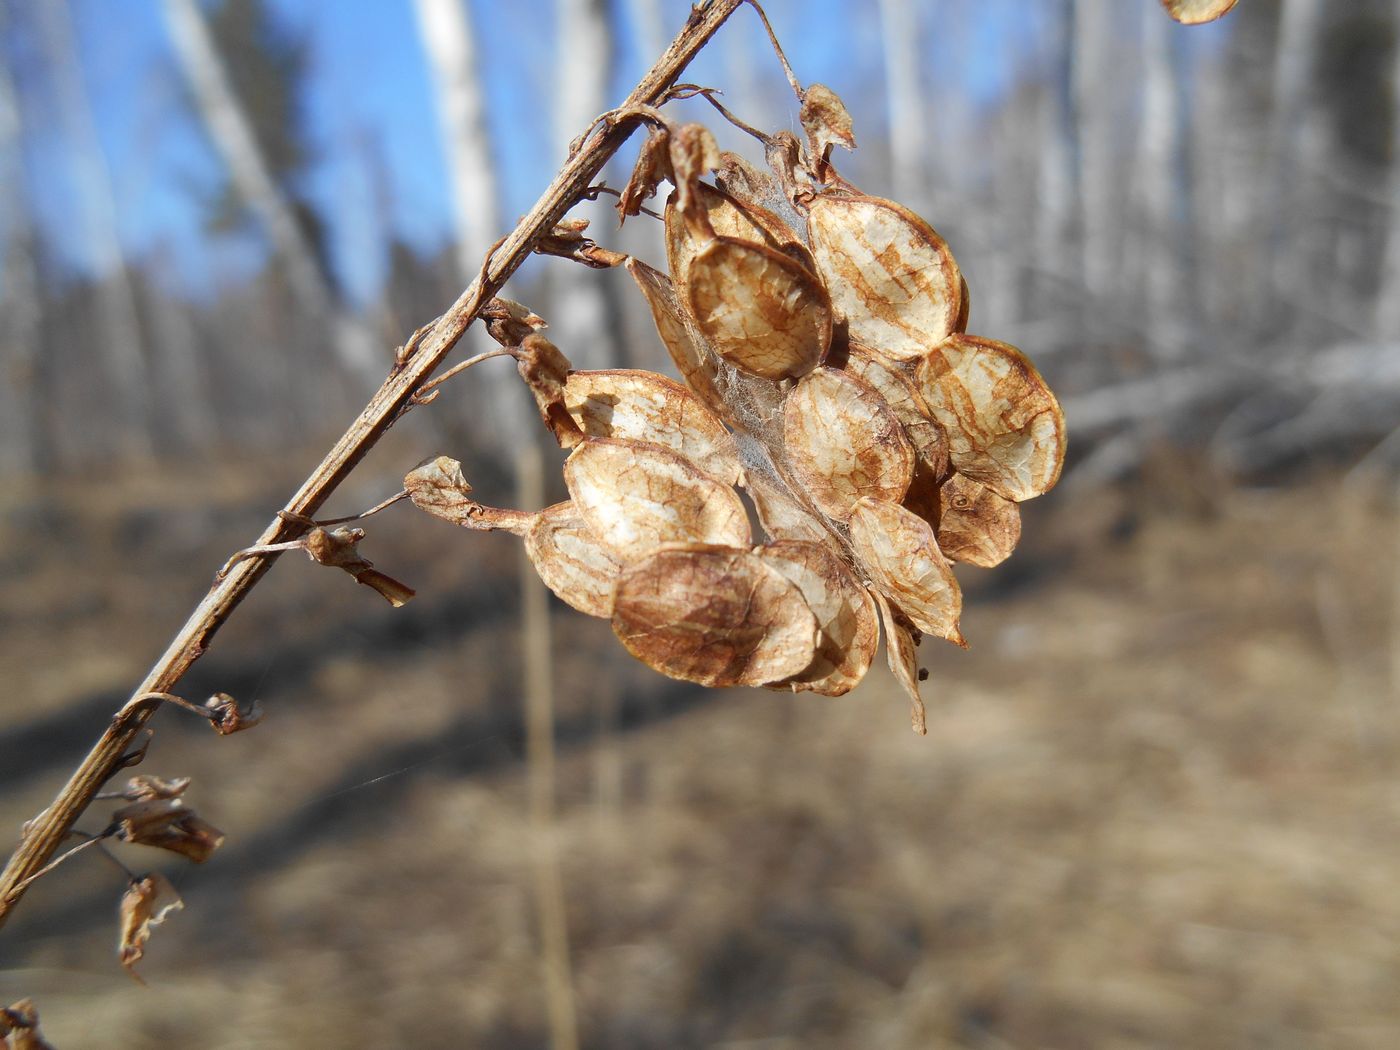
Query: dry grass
<point>1156,806</point>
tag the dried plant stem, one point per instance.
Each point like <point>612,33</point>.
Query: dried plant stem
<point>418,361</point>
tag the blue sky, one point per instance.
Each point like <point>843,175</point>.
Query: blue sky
<point>370,109</point>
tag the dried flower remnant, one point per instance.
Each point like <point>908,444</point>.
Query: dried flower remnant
<point>1196,12</point>
<point>147,901</point>
<point>167,823</point>
<point>19,1027</point>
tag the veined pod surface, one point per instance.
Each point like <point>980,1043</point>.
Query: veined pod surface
<point>635,496</point>
<point>698,365</point>
<point>1195,12</point>
<point>902,653</point>
<point>571,560</point>
<point>897,549</point>
<point>843,441</point>
<point>713,615</point>
<point>891,277</point>
<point>727,216</point>
<point>976,525</point>
<point>781,514</point>
<point>1004,426</point>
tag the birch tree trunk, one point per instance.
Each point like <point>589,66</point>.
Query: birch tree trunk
<point>1387,308</point>
<point>233,137</point>
<point>899,25</point>
<point>119,340</point>
<point>1091,45</point>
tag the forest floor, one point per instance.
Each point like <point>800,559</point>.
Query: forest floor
<point>1157,806</point>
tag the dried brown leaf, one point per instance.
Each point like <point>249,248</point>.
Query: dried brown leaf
<point>632,404</point>
<point>844,610</point>
<point>572,561</point>
<point>1004,426</point>
<point>843,442</point>
<point>903,657</point>
<point>891,277</point>
<point>698,365</point>
<point>19,1027</point>
<point>636,495</point>
<point>898,552</point>
<point>976,526</point>
<point>826,120</point>
<point>147,901</point>
<point>438,487</point>
<point>1194,12</point>
<point>760,310</point>
<point>714,615</point>
<point>167,823</point>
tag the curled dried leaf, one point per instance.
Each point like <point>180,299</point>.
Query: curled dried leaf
<point>147,901</point>
<point>890,275</point>
<point>843,442</point>
<point>976,526</point>
<point>19,1027</point>
<point>635,496</point>
<point>438,486</point>
<point>714,615</point>
<point>898,551</point>
<point>760,310</point>
<point>826,120</point>
<point>844,610</point>
<point>167,823</point>
<point>698,365</point>
<point>1195,12</point>
<point>571,560</point>
<point>642,406</point>
<point>1004,426</point>
<point>901,652</point>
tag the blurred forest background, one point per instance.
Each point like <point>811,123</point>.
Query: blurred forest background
<point>1159,800</point>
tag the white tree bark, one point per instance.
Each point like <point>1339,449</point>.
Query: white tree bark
<point>1092,43</point>
<point>233,137</point>
<point>1387,310</point>
<point>119,340</point>
<point>899,24</point>
<point>1059,153</point>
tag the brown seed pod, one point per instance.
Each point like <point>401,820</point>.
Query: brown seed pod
<point>713,615</point>
<point>826,120</point>
<point>843,442</point>
<point>976,525</point>
<point>1194,12</point>
<point>571,560</point>
<point>725,216</point>
<point>898,552</point>
<point>642,406</point>
<point>901,652</point>
<point>890,275</point>
<point>759,309</point>
<point>1004,426</point>
<point>844,610</point>
<point>698,365</point>
<point>635,496</point>
<point>781,514</point>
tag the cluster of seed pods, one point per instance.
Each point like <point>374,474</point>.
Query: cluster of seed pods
<point>828,377</point>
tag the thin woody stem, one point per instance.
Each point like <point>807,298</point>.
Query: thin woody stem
<point>458,369</point>
<point>47,831</point>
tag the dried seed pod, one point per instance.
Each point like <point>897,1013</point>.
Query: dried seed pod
<point>843,442</point>
<point>844,610</point>
<point>759,309</point>
<point>1194,12</point>
<point>901,652</point>
<point>713,615</point>
<point>781,514</point>
<point>898,551</point>
<point>635,405</point>
<point>1004,426</point>
<point>545,370</point>
<point>725,216</point>
<point>148,900</point>
<point>635,496</point>
<point>976,525</point>
<point>694,154</point>
<point>890,275</point>
<point>826,120</point>
<point>571,560</point>
<point>698,365</point>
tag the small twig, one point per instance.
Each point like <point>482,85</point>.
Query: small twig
<point>381,505</point>
<point>92,840</point>
<point>457,370</point>
<point>594,192</point>
<point>778,50</point>
<point>708,94</point>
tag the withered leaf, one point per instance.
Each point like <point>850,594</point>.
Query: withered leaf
<point>1004,426</point>
<point>903,657</point>
<point>147,901</point>
<point>438,487</point>
<point>898,551</point>
<point>759,309</point>
<point>890,275</point>
<point>843,442</point>
<point>572,561</point>
<point>635,496</point>
<point>698,365</point>
<point>976,526</point>
<point>632,404</point>
<point>714,615</point>
<point>19,1027</point>
<point>844,610</point>
<point>167,823</point>
<point>825,119</point>
<point>1194,12</point>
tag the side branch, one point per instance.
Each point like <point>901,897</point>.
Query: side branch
<point>43,835</point>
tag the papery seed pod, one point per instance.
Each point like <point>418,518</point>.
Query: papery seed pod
<point>976,525</point>
<point>826,120</point>
<point>903,657</point>
<point>713,615</point>
<point>725,216</point>
<point>898,551</point>
<point>148,900</point>
<point>571,560</point>
<point>891,277</point>
<point>843,442</point>
<point>844,610</point>
<point>694,154</point>
<point>1004,426</point>
<point>635,496</point>
<point>760,310</point>
<point>782,515</point>
<point>698,365</point>
<point>642,406</point>
<point>438,487</point>
<point>1194,12</point>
